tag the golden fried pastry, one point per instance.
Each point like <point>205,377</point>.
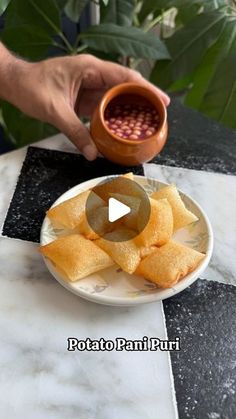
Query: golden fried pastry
<point>160,225</point>
<point>146,251</point>
<point>98,224</point>
<point>125,253</point>
<point>68,214</point>
<point>169,263</point>
<point>117,185</point>
<point>76,257</point>
<point>182,216</point>
<point>130,220</point>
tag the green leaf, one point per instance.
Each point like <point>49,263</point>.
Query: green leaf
<point>42,14</point>
<point>126,41</point>
<point>103,55</point>
<point>214,88</point>
<point>74,8</point>
<point>61,4</point>
<point>151,6</point>
<point>210,5</point>
<point>3,5</point>
<point>187,10</point>
<point>28,41</point>
<point>119,12</point>
<point>24,130</point>
<point>187,47</point>
<point>181,84</point>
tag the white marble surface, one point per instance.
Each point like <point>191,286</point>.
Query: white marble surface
<point>10,166</point>
<point>216,193</point>
<point>39,379</point>
<point>57,142</point>
<point>11,163</point>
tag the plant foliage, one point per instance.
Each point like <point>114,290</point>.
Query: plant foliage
<point>190,44</point>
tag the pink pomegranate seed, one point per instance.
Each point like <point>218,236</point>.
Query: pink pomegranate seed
<point>132,121</point>
<point>124,127</point>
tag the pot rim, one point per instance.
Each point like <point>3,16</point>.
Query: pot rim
<point>139,90</point>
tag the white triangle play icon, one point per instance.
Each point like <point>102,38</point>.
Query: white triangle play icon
<point>116,209</point>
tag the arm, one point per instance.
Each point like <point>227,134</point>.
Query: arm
<point>60,90</point>
<point>9,65</point>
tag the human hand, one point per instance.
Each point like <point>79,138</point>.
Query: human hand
<point>60,90</point>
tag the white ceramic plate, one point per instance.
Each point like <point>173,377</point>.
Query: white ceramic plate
<point>112,286</point>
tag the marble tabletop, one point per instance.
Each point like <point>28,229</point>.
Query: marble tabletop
<point>39,377</point>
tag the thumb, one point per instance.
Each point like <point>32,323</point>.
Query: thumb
<point>77,133</point>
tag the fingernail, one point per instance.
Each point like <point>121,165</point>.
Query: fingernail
<point>167,99</point>
<point>89,152</point>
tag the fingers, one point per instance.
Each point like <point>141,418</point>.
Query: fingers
<point>165,98</point>
<point>88,101</point>
<point>113,74</point>
<point>73,128</point>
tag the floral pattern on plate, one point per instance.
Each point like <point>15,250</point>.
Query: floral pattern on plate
<point>113,286</point>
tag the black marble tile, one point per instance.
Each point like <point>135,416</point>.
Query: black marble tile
<point>204,317</point>
<point>45,175</point>
<point>197,142</point>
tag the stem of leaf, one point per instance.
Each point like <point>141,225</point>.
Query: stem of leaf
<point>66,42</point>
<point>81,48</point>
<point>62,47</point>
<point>135,20</point>
<point>135,62</point>
<point>150,25</point>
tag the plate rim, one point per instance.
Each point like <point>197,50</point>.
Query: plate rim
<point>142,299</point>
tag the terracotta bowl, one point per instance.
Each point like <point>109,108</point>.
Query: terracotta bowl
<point>123,150</point>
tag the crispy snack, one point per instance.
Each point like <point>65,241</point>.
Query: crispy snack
<point>98,226</point>
<point>76,257</point>
<point>146,251</point>
<point>125,253</point>
<point>169,263</point>
<point>130,220</point>
<point>160,225</point>
<point>68,214</point>
<point>116,185</point>
<point>182,216</point>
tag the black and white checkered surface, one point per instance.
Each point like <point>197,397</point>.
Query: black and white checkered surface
<point>200,156</point>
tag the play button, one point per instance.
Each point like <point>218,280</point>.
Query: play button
<point>118,203</point>
<point>117,210</point>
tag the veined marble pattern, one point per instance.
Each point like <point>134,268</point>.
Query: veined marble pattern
<point>41,379</point>
<point>10,167</point>
<point>216,193</point>
<point>11,163</point>
<point>57,142</point>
